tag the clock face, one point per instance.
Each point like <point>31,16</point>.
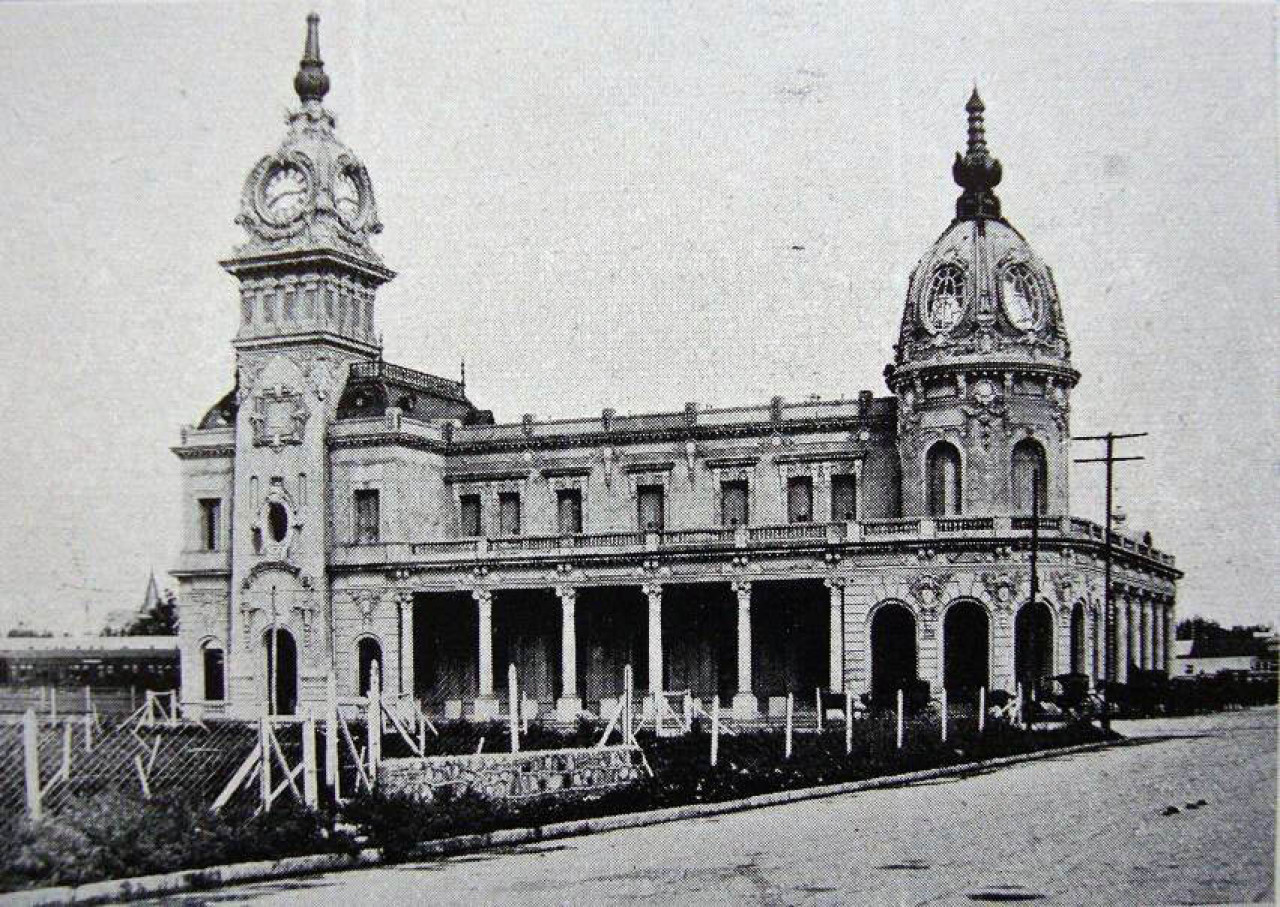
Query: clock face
<point>347,196</point>
<point>1020,296</point>
<point>946,299</point>
<point>284,193</point>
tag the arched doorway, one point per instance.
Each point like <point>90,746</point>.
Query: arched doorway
<point>1032,644</point>
<point>281,665</point>
<point>966,650</point>
<point>893,652</point>
<point>943,481</point>
<point>1029,477</point>
<point>368,653</point>
<point>1079,665</point>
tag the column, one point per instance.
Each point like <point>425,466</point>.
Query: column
<point>1157,636</point>
<point>835,635</point>
<point>1122,641</point>
<point>1144,634</point>
<point>406,643</point>
<point>745,704</point>
<point>569,705</point>
<point>486,705</point>
<point>653,592</point>
<point>1170,625</point>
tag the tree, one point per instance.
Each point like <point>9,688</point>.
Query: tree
<point>160,620</point>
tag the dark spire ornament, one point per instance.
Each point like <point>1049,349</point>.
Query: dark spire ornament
<point>311,83</point>
<point>977,172</point>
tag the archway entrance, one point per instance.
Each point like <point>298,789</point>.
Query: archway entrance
<point>893,653</point>
<point>966,650</point>
<point>281,665</point>
<point>369,653</point>
<point>1078,662</point>
<point>1032,644</point>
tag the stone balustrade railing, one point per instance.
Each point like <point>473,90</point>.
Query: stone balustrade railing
<point>790,534</point>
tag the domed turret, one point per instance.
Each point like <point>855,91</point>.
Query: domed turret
<point>982,367</point>
<point>312,192</point>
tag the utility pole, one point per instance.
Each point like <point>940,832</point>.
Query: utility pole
<point>1110,459</point>
<point>1029,681</point>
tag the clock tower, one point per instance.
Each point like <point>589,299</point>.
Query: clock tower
<point>982,370</point>
<point>308,277</point>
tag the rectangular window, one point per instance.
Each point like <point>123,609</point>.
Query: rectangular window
<point>569,507</point>
<point>469,514</point>
<point>652,507</point>
<point>509,513</point>
<point>368,516</point>
<point>844,499</point>
<point>800,500</point>
<point>290,312</point>
<point>733,503</point>
<point>210,523</point>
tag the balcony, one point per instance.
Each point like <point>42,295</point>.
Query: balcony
<point>790,535</point>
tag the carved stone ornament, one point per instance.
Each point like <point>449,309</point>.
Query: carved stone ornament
<point>1001,589</point>
<point>279,417</point>
<point>984,411</point>
<point>367,603</point>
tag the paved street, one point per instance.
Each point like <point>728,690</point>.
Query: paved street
<point>1085,829</point>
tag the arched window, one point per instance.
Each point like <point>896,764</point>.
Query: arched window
<point>1029,466</point>
<point>369,653</point>
<point>214,663</point>
<point>942,468</point>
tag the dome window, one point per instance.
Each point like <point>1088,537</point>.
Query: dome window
<point>1020,296</point>
<point>945,306</point>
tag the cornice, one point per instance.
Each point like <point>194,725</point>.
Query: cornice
<point>220,451</point>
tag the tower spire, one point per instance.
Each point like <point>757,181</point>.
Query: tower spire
<point>311,83</point>
<point>977,172</point>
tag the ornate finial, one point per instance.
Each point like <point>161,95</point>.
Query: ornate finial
<point>311,83</point>
<point>462,378</point>
<point>977,171</point>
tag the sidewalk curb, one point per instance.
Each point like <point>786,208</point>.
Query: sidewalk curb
<point>213,877</point>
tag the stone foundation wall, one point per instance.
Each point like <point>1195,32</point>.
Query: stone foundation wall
<point>514,775</point>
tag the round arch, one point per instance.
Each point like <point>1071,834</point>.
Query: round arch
<point>1033,643</point>
<point>1079,648</point>
<point>213,669</point>
<point>280,667</point>
<point>943,479</point>
<point>891,629</point>
<point>368,654</point>
<point>1028,477</point>
<point>966,649</point>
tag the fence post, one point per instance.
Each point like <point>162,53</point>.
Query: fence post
<point>1017,714</point>
<point>65,768</point>
<point>817,700</point>
<point>944,714</point>
<point>982,709</point>
<point>848,722</point>
<point>900,728</point>
<point>373,720</point>
<point>331,735</point>
<point>53,703</point>
<point>31,762</point>
<point>173,708</point>
<point>715,730</point>
<point>88,700</point>
<point>133,699</point>
<point>264,760</point>
<point>628,691</point>
<point>310,787</point>
<point>791,699</point>
<point>513,707</point>
<point>88,732</point>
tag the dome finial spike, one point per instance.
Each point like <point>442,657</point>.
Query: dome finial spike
<point>977,171</point>
<point>311,83</point>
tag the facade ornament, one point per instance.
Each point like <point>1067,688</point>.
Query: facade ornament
<point>740,587</point>
<point>367,603</point>
<point>279,417</point>
<point>833,557</point>
<point>483,597</point>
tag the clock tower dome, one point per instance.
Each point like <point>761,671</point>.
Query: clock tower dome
<point>982,370</point>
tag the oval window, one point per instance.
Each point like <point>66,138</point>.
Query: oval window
<point>277,521</point>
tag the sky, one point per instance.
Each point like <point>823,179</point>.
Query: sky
<point>597,204</point>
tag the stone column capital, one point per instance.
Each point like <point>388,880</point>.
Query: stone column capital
<point>483,597</point>
<point>568,595</point>
<point>652,590</point>
<point>741,588</point>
